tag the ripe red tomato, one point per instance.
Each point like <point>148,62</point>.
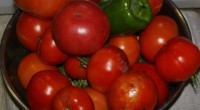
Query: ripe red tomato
<point>95,1</point>
<point>41,8</point>
<point>132,91</point>
<point>156,6</point>
<point>42,88</point>
<point>178,60</point>
<point>30,65</point>
<point>150,70</point>
<point>129,44</point>
<point>105,66</point>
<point>156,34</point>
<point>81,28</point>
<point>29,29</point>
<point>74,68</point>
<point>72,98</point>
<point>98,98</point>
<point>48,50</point>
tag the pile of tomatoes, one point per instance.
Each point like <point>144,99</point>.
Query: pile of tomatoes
<point>74,63</point>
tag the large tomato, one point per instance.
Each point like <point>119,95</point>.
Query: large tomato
<point>72,98</point>
<point>150,70</point>
<point>81,28</point>
<point>30,65</point>
<point>106,65</point>
<point>41,8</point>
<point>29,29</point>
<point>48,50</point>
<point>178,60</point>
<point>129,44</point>
<point>156,34</point>
<point>98,98</point>
<point>156,6</point>
<point>43,87</point>
<point>132,91</point>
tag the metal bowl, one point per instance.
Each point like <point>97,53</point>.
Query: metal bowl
<point>12,52</point>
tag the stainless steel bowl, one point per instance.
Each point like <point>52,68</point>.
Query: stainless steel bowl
<point>12,52</point>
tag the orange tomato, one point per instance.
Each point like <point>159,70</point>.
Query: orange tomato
<point>30,65</point>
<point>129,44</point>
<point>98,98</point>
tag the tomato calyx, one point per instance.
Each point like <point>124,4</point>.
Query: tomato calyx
<point>84,61</point>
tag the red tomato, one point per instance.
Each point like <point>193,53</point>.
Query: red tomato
<point>129,44</point>
<point>74,68</point>
<point>105,66</point>
<point>41,8</point>
<point>150,70</point>
<point>42,88</point>
<point>95,1</point>
<point>48,50</point>
<point>178,60</point>
<point>98,98</point>
<point>156,6</point>
<point>79,32</point>
<point>29,29</point>
<point>132,91</point>
<point>30,65</point>
<point>72,98</point>
<point>156,34</point>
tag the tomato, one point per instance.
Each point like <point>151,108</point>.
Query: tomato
<point>98,98</point>
<point>41,8</point>
<point>132,91</point>
<point>156,6</point>
<point>29,29</point>
<point>30,65</point>
<point>156,34</point>
<point>72,98</point>
<point>150,70</point>
<point>106,65</point>
<point>74,68</point>
<point>42,88</point>
<point>81,28</point>
<point>95,1</point>
<point>129,44</point>
<point>178,60</point>
<point>48,50</point>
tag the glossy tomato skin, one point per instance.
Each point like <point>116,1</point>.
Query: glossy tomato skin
<point>45,9</point>
<point>129,44</point>
<point>178,60</point>
<point>74,68</point>
<point>72,98</point>
<point>29,29</point>
<point>98,98</point>
<point>79,32</point>
<point>42,88</point>
<point>48,50</point>
<point>162,85</point>
<point>30,65</point>
<point>132,91</point>
<point>106,65</point>
<point>156,34</point>
<point>156,6</point>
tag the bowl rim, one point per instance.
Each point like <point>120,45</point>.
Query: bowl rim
<point>7,84</point>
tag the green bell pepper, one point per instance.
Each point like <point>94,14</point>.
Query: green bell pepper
<point>128,16</point>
